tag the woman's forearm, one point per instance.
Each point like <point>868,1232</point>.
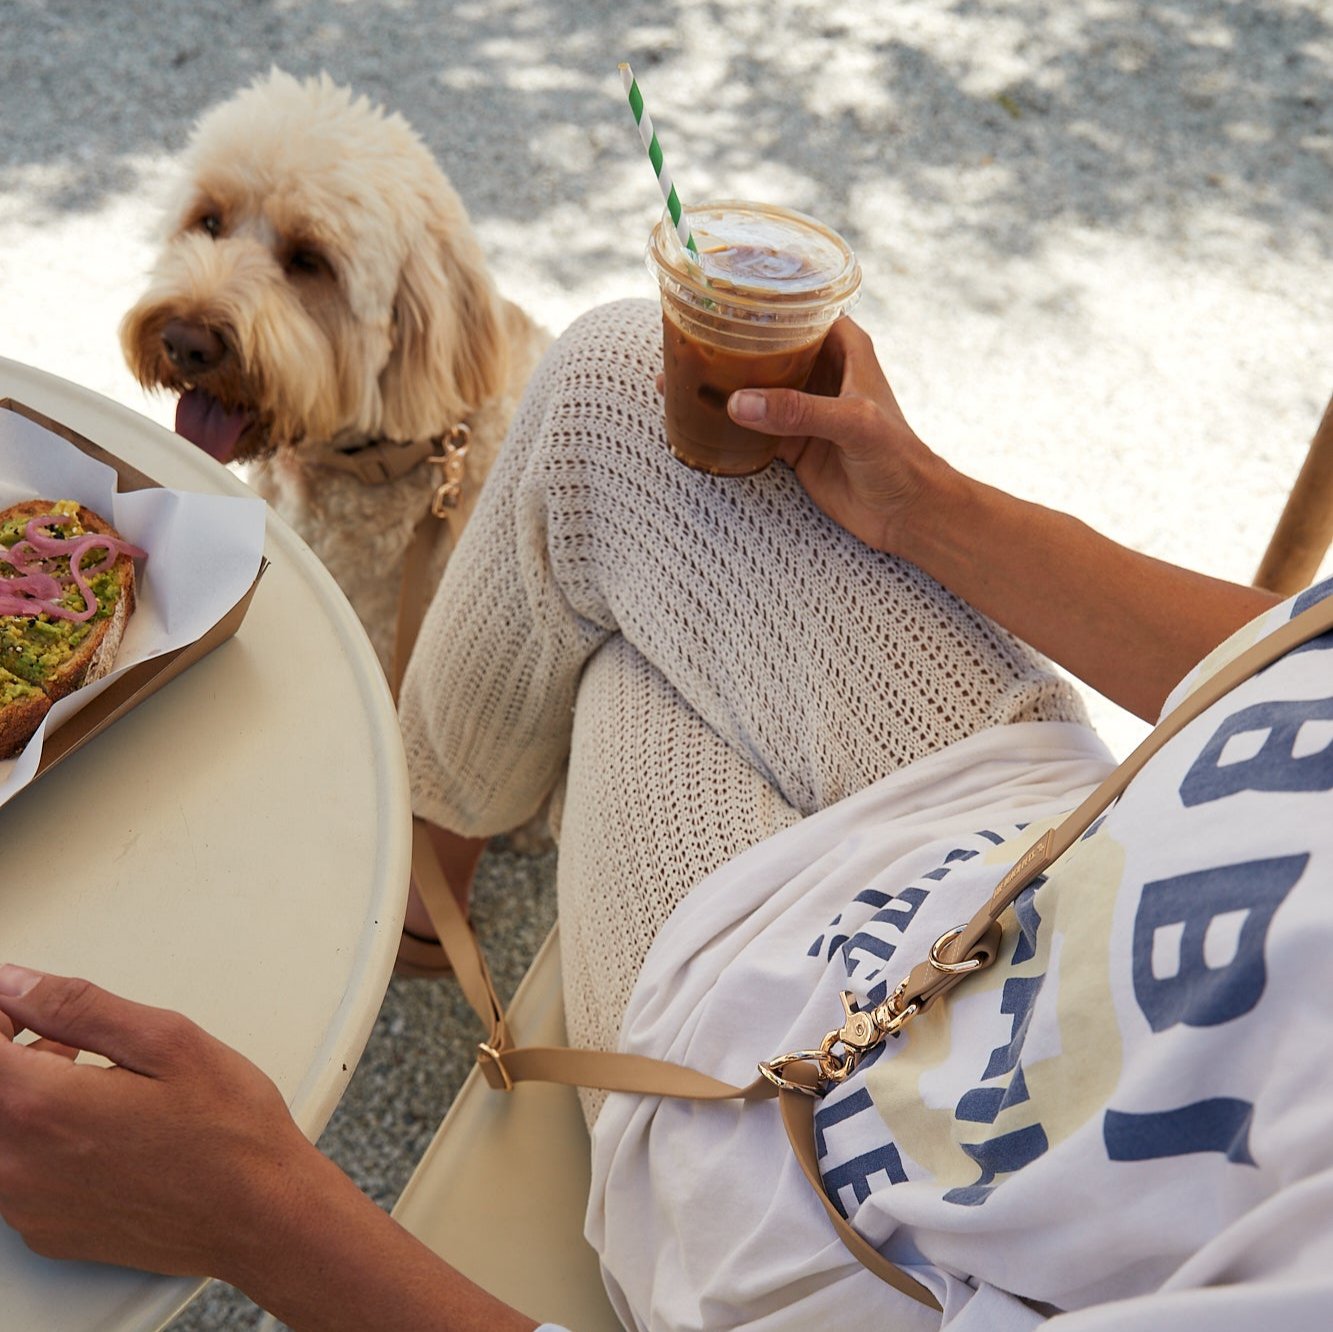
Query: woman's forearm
<point>1128,625</point>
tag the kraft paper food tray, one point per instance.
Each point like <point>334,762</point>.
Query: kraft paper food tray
<point>128,685</point>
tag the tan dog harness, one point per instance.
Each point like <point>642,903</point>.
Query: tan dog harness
<point>379,461</point>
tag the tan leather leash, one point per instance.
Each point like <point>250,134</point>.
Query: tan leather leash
<point>416,588</point>
<point>801,1076</point>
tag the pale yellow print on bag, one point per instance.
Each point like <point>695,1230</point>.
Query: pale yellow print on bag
<point>1070,1064</point>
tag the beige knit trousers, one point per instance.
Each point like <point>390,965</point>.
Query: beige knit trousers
<point>709,660</point>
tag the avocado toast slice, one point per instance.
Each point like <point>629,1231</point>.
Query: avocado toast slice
<point>44,655</point>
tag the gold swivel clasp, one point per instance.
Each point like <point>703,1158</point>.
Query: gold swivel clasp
<point>862,1029</point>
<point>451,460</point>
<point>843,1048</point>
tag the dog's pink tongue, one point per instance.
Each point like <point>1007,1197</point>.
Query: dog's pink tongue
<point>204,421</point>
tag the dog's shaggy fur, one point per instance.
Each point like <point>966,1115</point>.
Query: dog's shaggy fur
<point>320,287</point>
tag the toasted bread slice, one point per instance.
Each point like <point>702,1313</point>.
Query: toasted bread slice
<point>56,657</point>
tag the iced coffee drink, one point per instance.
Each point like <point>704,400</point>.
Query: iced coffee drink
<point>750,310</point>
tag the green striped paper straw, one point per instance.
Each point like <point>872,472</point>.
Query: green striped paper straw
<point>649,137</point>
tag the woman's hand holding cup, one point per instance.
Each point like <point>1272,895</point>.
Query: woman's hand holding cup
<point>848,442</point>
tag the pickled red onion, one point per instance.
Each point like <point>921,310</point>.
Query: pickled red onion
<point>33,584</point>
<point>34,591</point>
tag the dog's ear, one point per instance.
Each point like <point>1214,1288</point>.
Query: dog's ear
<point>450,353</point>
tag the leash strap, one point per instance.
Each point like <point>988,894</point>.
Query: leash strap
<point>378,462</point>
<point>801,1076</point>
<point>503,1065</point>
<point>414,592</point>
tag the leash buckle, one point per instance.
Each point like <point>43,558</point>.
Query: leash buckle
<point>952,968</point>
<point>493,1067</point>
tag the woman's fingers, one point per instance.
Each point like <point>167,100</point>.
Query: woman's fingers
<point>843,402</point>
<point>78,1015</point>
<point>56,1048</point>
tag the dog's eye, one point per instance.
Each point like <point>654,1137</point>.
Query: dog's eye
<point>211,223</point>
<point>306,263</point>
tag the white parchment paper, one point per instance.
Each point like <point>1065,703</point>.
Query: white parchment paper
<point>203,554</point>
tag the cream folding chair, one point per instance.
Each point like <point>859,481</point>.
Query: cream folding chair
<point>501,1190</point>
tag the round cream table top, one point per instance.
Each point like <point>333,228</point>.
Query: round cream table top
<point>251,825</point>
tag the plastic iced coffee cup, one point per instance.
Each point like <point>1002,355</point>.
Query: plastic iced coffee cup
<point>749,311</point>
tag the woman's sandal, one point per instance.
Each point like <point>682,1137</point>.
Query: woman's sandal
<point>420,958</point>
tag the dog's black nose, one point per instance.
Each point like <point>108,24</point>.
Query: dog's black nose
<point>192,347</point>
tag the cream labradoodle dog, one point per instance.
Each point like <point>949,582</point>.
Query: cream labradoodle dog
<point>322,307</point>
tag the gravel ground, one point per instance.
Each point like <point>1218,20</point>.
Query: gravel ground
<point>1096,241</point>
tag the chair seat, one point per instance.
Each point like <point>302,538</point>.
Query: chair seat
<point>501,1191</point>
